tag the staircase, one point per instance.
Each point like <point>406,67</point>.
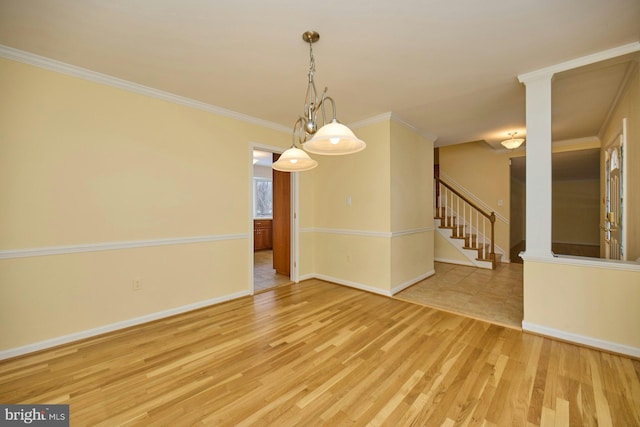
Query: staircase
<point>469,227</point>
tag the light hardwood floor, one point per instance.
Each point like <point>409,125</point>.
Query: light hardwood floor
<point>322,354</point>
<point>491,295</point>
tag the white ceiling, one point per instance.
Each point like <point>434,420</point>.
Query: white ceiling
<point>449,69</point>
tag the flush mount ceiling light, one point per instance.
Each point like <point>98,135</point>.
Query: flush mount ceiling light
<point>512,143</point>
<point>331,138</point>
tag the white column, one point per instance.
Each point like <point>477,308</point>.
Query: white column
<point>538,161</point>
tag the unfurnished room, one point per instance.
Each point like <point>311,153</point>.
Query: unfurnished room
<point>251,213</point>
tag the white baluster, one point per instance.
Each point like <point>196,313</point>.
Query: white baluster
<point>464,219</point>
<point>457,215</point>
<point>446,199</point>
<point>484,238</point>
<point>477,228</point>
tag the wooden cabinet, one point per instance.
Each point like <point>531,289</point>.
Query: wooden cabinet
<point>262,234</point>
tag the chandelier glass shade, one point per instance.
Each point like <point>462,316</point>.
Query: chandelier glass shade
<point>331,138</point>
<point>512,143</point>
<point>294,160</point>
<point>334,139</point>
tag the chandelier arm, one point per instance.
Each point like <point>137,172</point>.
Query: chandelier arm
<point>311,97</point>
<point>310,100</point>
<point>333,107</point>
<point>300,130</point>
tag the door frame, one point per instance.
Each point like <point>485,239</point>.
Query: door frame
<point>618,140</point>
<point>293,225</point>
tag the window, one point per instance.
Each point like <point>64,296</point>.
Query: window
<point>262,198</point>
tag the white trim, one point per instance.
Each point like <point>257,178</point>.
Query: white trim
<point>393,117</point>
<point>366,233</point>
<point>607,264</point>
<point>414,231</point>
<point>93,76</point>
<point>53,342</point>
<point>454,261</point>
<point>371,120</point>
<point>632,69</point>
<point>412,282</point>
<point>351,232</point>
<point>581,339</point>
<point>295,226</point>
<point>470,254</point>
<point>306,277</point>
<point>478,201</point>
<point>110,246</point>
<point>371,289</point>
<point>625,190</point>
<point>428,135</point>
<point>352,285</point>
<point>576,243</point>
<point>579,62</point>
<point>584,143</point>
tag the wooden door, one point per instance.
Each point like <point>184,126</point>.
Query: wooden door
<point>281,221</point>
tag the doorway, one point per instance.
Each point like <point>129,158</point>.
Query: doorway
<point>614,227</point>
<point>271,210</point>
<point>575,204</point>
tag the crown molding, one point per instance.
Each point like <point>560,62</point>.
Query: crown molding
<point>587,142</point>
<point>548,72</point>
<point>390,116</point>
<point>93,76</point>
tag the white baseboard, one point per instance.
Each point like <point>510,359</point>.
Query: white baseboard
<point>53,342</point>
<point>582,339</point>
<point>306,277</point>
<point>411,282</point>
<point>367,288</point>
<point>353,285</point>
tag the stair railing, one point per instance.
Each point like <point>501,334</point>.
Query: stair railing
<point>449,201</point>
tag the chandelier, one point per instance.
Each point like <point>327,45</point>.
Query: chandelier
<point>512,143</point>
<point>331,138</point>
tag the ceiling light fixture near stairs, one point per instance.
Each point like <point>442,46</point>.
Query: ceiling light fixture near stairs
<point>512,143</point>
<point>331,138</point>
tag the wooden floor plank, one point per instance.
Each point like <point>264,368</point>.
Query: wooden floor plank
<point>322,354</point>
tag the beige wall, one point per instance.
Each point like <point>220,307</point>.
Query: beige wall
<point>83,163</point>
<point>517,213</point>
<point>484,173</point>
<point>596,303</point>
<point>93,168</point>
<point>412,247</point>
<point>445,251</point>
<point>628,107</point>
<point>383,239</point>
<point>350,241</point>
<point>575,212</point>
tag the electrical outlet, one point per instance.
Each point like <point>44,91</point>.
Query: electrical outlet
<point>137,284</point>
